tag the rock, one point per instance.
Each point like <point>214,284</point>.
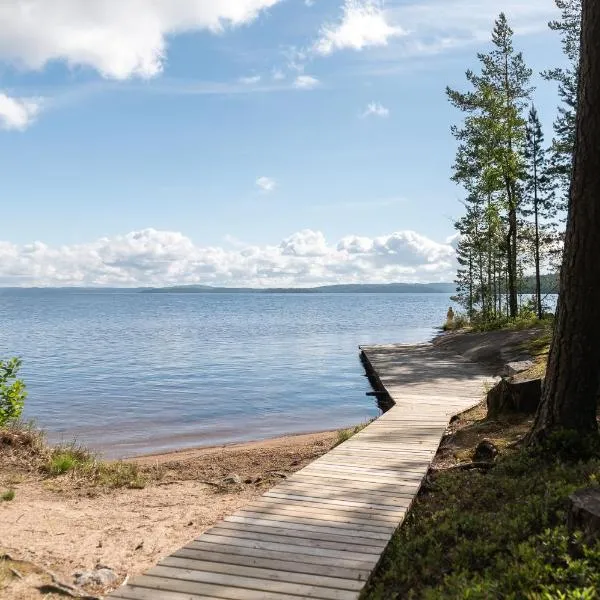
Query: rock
<point>485,452</point>
<point>514,397</point>
<point>512,368</point>
<point>101,575</point>
<point>584,513</point>
<point>234,478</point>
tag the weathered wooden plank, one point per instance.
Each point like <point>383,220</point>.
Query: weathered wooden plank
<point>223,590</point>
<point>309,535</point>
<point>318,497</point>
<point>245,550</point>
<point>256,558</point>
<point>262,573</point>
<point>323,526</point>
<point>245,583</point>
<point>282,538</point>
<point>332,520</point>
<point>290,548</point>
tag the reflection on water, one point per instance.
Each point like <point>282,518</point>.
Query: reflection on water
<point>128,373</point>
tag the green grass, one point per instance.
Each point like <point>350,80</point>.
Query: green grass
<point>500,535</point>
<point>343,435</point>
<point>66,459</point>
<point>7,496</point>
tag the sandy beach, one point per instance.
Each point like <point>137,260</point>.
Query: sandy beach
<point>65,526</point>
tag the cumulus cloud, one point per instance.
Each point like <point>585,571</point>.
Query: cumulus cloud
<point>364,23</point>
<point>153,258</point>
<point>305,82</point>
<point>375,109</point>
<point>266,184</point>
<point>18,113</point>
<point>118,38</point>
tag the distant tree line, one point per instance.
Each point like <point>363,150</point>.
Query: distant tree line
<point>516,186</point>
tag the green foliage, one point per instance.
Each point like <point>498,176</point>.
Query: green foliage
<point>563,144</point>
<point>7,496</point>
<point>65,459</point>
<point>498,535</point>
<point>12,391</point>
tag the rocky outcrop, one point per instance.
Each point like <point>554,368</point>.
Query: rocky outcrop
<point>584,514</point>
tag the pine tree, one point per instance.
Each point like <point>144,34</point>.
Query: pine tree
<point>570,396</point>
<point>489,158</point>
<point>569,28</point>
<point>538,198</point>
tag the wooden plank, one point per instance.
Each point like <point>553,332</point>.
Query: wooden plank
<point>337,522</point>
<point>282,538</point>
<point>255,559</point>
<point>225,591</point>
<point>319,497</point>
<point>314,526</point>
<point>290,548</point>
<point>246,583</point>
<point>261,573</point>
<point>331,513</point>
<point>310,535</point>
<point>310,559</point>
<point>129,592</point>
<point>375,514</point>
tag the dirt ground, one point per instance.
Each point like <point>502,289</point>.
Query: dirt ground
<point>64,526</point>
<point>492,348</point>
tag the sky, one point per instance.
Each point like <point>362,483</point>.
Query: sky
<point>239,142</point>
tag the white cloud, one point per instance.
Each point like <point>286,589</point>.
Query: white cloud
<point>152,258</point>
<point>118,38</point>
<point>18,113</point>
<point>277,74</point>
<point>364,23</point>
<point>305,82</point>
<point>252,79</point>
<point>266,184</point>
<point>435,26</point>
<point>375,109</point>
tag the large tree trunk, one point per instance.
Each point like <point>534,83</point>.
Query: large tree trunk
<point>571,388</point>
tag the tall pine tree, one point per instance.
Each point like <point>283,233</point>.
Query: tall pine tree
<point>538,196</point>
<point>569,29</point>
<point>489,159</point>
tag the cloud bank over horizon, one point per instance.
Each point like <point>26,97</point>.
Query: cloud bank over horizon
<point>150,257</point>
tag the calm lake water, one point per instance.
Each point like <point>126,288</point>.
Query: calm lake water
<point>128,373</point>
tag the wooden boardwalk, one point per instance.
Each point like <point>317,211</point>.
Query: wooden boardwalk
<point>321,532</point>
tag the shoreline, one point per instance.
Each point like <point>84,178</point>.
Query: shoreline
<point>191,453</point>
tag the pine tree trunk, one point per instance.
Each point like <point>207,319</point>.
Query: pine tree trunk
<point>538,286</point>
<point>570,393</point>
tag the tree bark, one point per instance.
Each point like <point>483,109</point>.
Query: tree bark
<point>569,400</point>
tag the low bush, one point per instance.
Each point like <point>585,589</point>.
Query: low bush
<point>12,391</point>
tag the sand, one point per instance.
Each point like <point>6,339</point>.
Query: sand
<point>66,526</point>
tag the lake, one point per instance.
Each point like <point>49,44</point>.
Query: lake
<point>128,373</point>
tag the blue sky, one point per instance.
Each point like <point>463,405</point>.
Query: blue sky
<point>259,142</point>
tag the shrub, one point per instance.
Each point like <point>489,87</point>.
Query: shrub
<point>12,391</point>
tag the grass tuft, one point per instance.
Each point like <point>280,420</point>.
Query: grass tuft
<point>7,496</point>
<point>343,435</point>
